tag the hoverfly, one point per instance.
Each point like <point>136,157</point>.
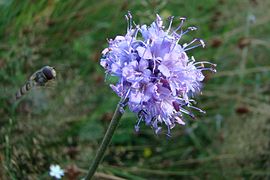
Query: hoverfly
<point>40,78</point>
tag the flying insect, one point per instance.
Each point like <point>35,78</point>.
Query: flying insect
<point>40,78</point>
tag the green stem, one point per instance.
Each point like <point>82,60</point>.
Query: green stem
<point>106,141</point>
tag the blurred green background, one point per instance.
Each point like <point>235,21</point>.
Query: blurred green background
<point>64,122</point>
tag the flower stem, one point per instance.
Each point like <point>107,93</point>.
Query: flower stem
<point>106,140</point>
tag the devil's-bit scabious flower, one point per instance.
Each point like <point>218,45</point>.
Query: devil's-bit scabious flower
<point>56,171</point>
<point>156,76</point>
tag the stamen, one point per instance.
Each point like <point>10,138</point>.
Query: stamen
<point>182,20</point>
<point>187,112</point>
<point>137,126</point>
<point>130,19</point>
<point>159,21</point>
<point>193,101</point>
<point>191,60</point>
<point>134,35</point>
<point>170,24</point>
<point>186,45</point>
<point>177,36</point>
<point>127,93</point>
<point>198,109</point>
<point>168,132</point>
<point>208,69</point>
<point>205,62</point>
<point>202,42</point>
<point>192,28</point>
<point>128,26</point>
<point>194,40</point>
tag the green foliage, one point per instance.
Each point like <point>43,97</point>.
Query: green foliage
<point>91,131</point>
<point>64,122</point>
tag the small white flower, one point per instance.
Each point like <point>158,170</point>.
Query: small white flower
<point>56,171</point>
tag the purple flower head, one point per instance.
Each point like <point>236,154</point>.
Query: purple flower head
<point>157,78</point>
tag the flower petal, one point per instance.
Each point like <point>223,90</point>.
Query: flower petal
<point>164,70</point>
